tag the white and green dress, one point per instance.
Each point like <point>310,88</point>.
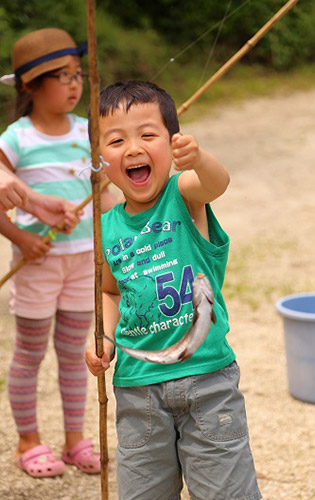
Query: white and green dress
<point>52,164</point>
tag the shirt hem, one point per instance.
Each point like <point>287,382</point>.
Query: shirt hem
<point>74,249</point>
<point>164,377</point>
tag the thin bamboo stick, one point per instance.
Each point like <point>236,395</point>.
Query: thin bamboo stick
<point>98,253</point>
<point>50,235</point>
<point>237,56</point>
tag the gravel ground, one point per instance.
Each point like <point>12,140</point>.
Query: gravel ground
<point>268,146</point>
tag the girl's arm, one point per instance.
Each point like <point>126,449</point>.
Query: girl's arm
<point>111,298</point>
<point>52,209</point>
<point>30,244</point>
<point>14,193</point>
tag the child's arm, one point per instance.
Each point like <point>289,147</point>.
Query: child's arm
<point>52,209</point>
<point>205,178</point>
<point>111,315</point>
<point>30,244</point>
<point>12,193</point>
<point>108,200</point>
<point>48,208</point>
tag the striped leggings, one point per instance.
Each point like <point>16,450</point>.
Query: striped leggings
<point>71,330</point>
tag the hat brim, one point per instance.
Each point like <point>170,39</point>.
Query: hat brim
<point>45,67</point>
<point>8,80</point>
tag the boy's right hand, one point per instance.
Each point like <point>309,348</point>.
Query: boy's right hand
<point>97,365</point>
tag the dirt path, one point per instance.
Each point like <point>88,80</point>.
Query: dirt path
<point>269,148</point>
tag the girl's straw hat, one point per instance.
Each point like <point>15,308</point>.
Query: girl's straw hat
<point>41,51</point>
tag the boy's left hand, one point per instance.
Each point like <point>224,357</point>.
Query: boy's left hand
<point>185,150</point>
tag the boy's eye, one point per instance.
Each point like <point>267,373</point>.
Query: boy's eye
<point>115,141</point>
<point>148,135</point>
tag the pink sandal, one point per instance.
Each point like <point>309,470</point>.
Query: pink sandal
<point>40,462</point>
<point>82,456</point>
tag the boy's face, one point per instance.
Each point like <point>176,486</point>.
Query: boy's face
<point>137,146</point>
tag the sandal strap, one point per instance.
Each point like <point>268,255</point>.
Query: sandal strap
<point>35,452</point>
<point>84,444</point>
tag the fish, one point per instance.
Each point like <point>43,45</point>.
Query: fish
<point>204,316</point>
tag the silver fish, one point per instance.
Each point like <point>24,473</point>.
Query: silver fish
<point>183,349</point>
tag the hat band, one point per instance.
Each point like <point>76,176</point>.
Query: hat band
<point>73,51</point>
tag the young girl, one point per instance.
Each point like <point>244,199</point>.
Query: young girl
<point>48,149</point>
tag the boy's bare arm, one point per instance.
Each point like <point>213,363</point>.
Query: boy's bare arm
<point>108,200</point>
<point>111,298</point>
<point>204,178</point>
<point>111,316</point>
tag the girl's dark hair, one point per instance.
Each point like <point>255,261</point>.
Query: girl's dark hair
<point>24,101</point>
<point>139,92</point>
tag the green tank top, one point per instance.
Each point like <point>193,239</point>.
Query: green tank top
<point>154,257</point>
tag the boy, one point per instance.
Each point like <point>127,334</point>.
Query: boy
<point>185,418</point>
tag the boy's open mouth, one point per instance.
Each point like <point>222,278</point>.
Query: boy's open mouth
<point>139,173</point>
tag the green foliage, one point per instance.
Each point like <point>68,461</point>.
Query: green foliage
<point>18,17</point>
<point>289,42</point>
<point>127,54</point>
<point>294,40</point>
<point>137,39</point>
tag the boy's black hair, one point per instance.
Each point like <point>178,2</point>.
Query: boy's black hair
<point>139,92</point>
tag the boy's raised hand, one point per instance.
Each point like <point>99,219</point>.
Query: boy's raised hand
<point>185,151</point>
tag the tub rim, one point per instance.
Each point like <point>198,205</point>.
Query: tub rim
<point>291,313</point>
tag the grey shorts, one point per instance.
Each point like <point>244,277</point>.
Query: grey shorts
<point>193,427</point>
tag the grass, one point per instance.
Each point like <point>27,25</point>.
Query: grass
<point>256,272</point>
<point>242,82</point>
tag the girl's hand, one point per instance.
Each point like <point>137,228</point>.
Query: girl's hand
<point>97,365</point>
<point>51,210</point>
<point>185,151</point>
<point>71,221</point>
<point>32,247</point>
<point>12,193</point>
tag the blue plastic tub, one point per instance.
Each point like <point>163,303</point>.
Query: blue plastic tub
<point>298,313</point>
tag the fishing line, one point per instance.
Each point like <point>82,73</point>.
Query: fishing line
<point>214,43</point>
<point>209,30</point>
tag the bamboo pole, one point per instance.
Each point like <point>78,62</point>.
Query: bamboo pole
<point>50,235</point>
<point>237,56</point>
<point>98,253</point>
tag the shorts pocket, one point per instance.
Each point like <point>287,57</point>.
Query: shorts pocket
<point>133,416</point>
<point>219,404</point>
